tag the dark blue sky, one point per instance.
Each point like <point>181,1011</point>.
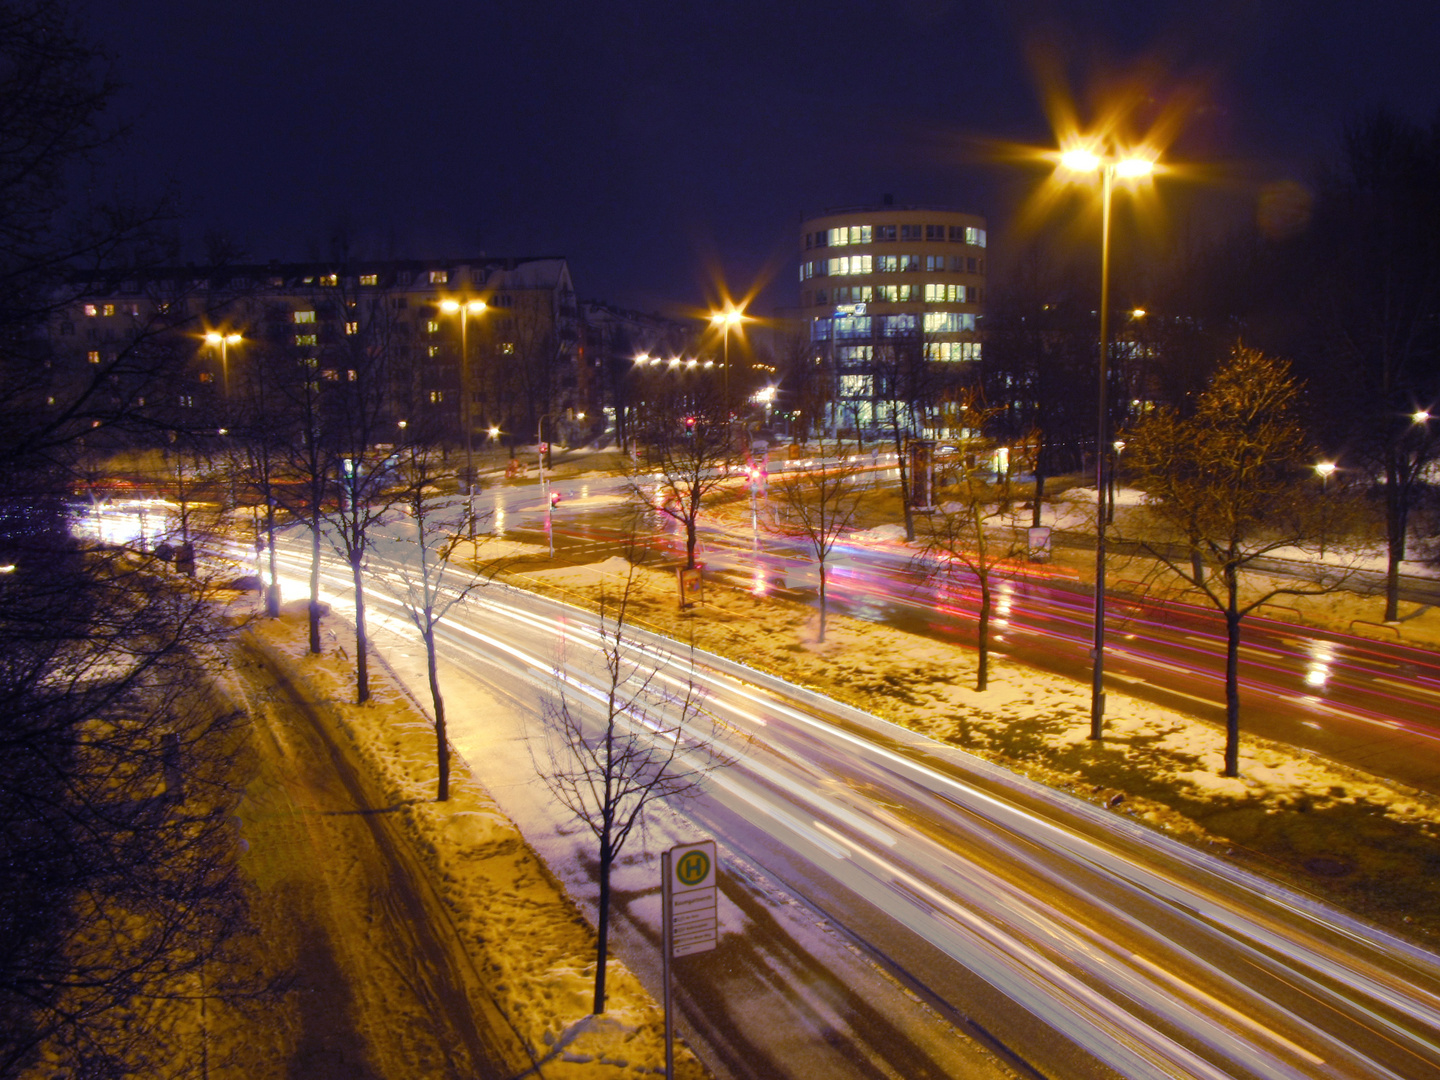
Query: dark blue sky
<point>658,145</point>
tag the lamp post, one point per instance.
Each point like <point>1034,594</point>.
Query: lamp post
<point>1109,167</point>
<point>731,316</point>
<point>544,487</point>
<point>1324,470</point>
<point>465,308</point>
<point>214,338</point>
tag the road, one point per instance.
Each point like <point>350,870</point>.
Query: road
<point>1073,943</point>
<point>1361,702</point>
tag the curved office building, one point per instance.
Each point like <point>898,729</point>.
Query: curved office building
<point>883,285</point>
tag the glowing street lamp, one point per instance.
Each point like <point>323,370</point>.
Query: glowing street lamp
<point>215,339</point>
<point>1086,162</point>
<point>466,309</point>
<point>731,316</point>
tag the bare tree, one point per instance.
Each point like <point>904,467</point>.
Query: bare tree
<point>627,727</point>
<point>686,445</point>
<point>820,504</point>
<point>972,533</point>
<point>1232,478</point>
<point>428,581</point>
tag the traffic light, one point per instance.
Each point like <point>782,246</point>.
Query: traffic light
<point>554,498</point>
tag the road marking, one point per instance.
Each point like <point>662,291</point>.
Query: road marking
<point>1408,686</point>
<point>1220,1006</point>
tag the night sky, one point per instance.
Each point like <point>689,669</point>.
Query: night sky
<point>667,147</point>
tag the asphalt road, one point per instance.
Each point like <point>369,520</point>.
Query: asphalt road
<point>1071,941</point>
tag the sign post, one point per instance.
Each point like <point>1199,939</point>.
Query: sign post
<point>689,904</point>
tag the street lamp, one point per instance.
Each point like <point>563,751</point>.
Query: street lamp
<point>465,308</point>
<point>214,338</point>
<point>1086,162</point>
<point>544,488</point>
<point>731,316</point>
<point>1324,470</point>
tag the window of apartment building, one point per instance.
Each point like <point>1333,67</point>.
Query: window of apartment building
<point>887,264</point>
<point>350,375</point>
<point>856,386</point>
<point>206,376</point>
<point>896,325</point>
<point>820,329</point>
<point>820,295</point>
<point>970,265</point>
<point>93,356</point>
<point>305,339</point>
<point>507,348</point>
<point>132,309</point>
<point>330,374</point>
<point>352,328</point>
<point>108,309</point>
<point>91,310</point>
<point>911,232</point>
<point>948,322</point>
<point>304,316</point>
<point>401,303</point>
<point>909,262</point>
<point>402,277</point>
<point>439,277</point>
<point>330,279</point>
<point>503,300</point>
<point>934,232</point>
<point>885,232</point>
<point>432,326</point>
<point>852,326</point>
<point>953,351</point>
<point>432,350</point>
<point>437,397</point>
<point>853,355</point>
<point>67,328</point>
<point>975,236</point>
<point>934,262</point>
<point>369,279</point>
<point>957,234</point>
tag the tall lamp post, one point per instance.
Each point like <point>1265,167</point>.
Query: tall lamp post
<point>466,308</point>
<point>214,338</point>
<point>731,316</point>
<point>1110,167</point>
<point>544,488</point>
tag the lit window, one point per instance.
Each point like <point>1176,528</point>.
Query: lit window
<point>910,262</point>
<point>975,236</point>
<point>437,397</point>
<point>439,277</point>
<point>330,374</point>
<point>508,348</point>
<point>304,316</point>
<point>839,237</point>
<point>109,309</point>
<point>206,376</point>
<point>350,374</point>
<point>329,279</point>
<point>855,386</point>
<point>369,279</point>
<point>187,401</point>
<point>352,328</point>
<point>94,356</point>
<point>934,262</point>
<point>305,339</point>
<point>91,310</point>
<point>862,293</point>
<point>887,264</point>
<point>431,326</point>
<point>432,350</point>
<point>905,293</point>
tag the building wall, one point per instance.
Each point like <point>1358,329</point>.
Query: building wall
<point>877,279</point>
<point>522,349</point>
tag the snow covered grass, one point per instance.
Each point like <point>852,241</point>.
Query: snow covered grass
<point>532,949</point>
<point>1360,842</point>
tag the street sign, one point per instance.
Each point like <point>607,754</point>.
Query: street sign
<point>691,898</point>
<point>688,912</point>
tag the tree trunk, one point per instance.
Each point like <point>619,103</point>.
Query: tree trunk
<point>1395,524</point>
<point>315,580</point>
<point>1232,673</point>
<point>272,587</point>
<point>362,665</point>
<point>822,600</point>
<point>982,670</point>
<point>442,742</point>
<point>1039,498</point>
<point>602,925</point>
<point>905,499</point>
<point>690,541</point>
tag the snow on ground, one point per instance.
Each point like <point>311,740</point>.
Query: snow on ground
<point>534,950</point>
